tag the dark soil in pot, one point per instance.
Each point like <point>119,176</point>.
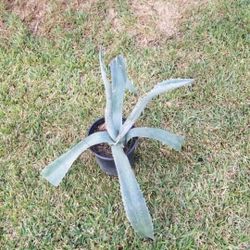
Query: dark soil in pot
<point>103,151</point>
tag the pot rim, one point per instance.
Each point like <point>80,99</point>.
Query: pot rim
<point>90,131</point>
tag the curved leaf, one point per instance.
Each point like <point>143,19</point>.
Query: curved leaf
<point>141,104</point>
<point>56,170</point>
<point>119,78</point>
<point>108,93</point>
<point>130,86</point>
<point>120,82</point>
<point>133,201</point>
<point>170,139</point>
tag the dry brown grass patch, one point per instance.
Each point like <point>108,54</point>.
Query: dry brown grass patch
<point>155,21</point>
<point>160,20</point>
<point>31,12</point>
<point>114,20</point>
<point>40,16</point>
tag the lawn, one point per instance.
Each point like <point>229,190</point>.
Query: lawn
<point>51,91</point>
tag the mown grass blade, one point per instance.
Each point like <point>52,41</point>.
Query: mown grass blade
<point>108,93</point>
<point>142,103</point>
<point>172,140</point>
<point>133,201</point>
<point>56,170</point>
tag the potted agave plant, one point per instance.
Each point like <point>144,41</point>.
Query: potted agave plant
<point>121,136</point>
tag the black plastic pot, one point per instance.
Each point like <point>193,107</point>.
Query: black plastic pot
<point>107,164</point>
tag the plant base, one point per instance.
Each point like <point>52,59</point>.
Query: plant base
<point>106,163</point>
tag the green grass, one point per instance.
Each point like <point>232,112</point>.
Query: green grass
<point>51,91</point>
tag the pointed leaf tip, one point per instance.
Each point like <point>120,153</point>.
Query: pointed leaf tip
<point>134,203</point>
<point>56,170</point>
<point>164,136</point>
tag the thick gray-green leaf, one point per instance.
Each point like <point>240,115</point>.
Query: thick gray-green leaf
<point>142,103</point>
<point>133,201</point>
<point>124,74</point>
<point>130,86</point>
<point>120,82</point>
<point>56,170</point>
<point>108,93</point>
<point>119,78</point>
<point>170,139</point>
